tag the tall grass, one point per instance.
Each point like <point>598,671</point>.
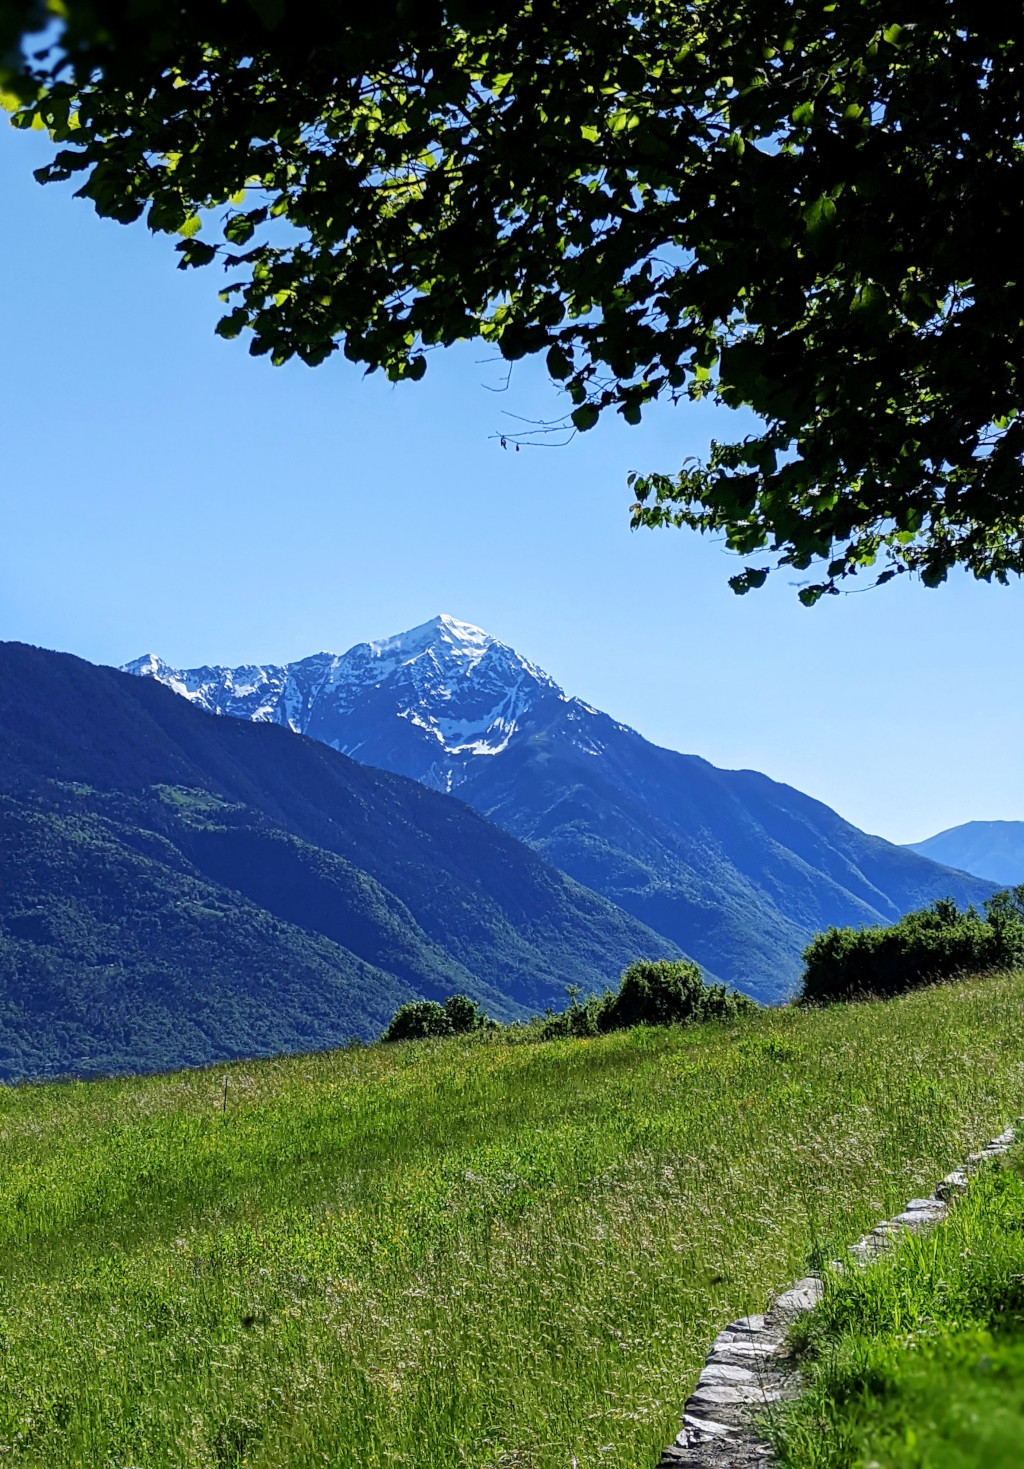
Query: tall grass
<point>461,1253</point>
<point>919,1360</point>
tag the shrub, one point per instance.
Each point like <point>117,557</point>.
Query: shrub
<point>463,1014</point>
<point>927,945</point>
<point>668,992</point>
<point>651,992</point>
<point>578,1020</point>
<point>425,1019</point>
<point>1005,913</point>
<point>418,1020</point>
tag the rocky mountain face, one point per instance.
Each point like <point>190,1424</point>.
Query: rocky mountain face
<point>736,869</point>
<point>425,703</point>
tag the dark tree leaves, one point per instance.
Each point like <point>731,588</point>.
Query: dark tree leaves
<point>808,210</point>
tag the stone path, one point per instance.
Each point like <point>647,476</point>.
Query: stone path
<point>747,1368</point>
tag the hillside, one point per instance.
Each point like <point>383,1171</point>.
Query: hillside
<point>736,869</point>
<point>176,888</point>
<point>462,1253</point>
<point>988,849</point>
<point>115,958</point>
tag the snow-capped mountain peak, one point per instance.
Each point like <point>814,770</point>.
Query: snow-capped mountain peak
<point>434,696</point>
<point>458,640</point>
<point>148,666</point>
<point>250,692</point>
<point>447,645</point>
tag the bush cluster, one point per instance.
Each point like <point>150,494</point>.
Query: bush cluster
<point>931,944</point>
<point>650,992</point>
<point>425,1019</point>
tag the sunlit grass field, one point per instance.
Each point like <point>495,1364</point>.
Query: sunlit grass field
<point>466,1252</point>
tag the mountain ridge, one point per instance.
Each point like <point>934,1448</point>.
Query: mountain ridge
<point>497,686</point>
<point>989,849</point>
<point>734,868</point>
<point>311,892</point>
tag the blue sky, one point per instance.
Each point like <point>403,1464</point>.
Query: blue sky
<point>162,491</point>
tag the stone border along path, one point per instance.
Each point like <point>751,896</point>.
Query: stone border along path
<point>746,1367</point>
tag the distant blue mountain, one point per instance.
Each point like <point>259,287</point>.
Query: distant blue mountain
<point>734,868</point>
<point>990,849</point>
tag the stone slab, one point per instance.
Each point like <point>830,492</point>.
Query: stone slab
<point>801,1297</point>
<point>722,1372</point>
<point>718,1423</point>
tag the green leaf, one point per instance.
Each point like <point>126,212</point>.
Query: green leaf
<point>819,214</point>
<point>631,411</point>
<point>870,297</point>
<point>195,253</point>
<point>166,214</point>
<point>230,326</point>
<point>748,579</point>
<point>559,365</point>
<point>585,417</point>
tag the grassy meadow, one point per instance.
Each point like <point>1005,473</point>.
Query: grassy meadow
<point>918,1361</point>
<point>456,1253</point>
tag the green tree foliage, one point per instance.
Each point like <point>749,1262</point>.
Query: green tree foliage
<point>651,992</point>
<point>663,992</point>
<point>464,1015</point>
<point>812,211</point>
<point>117,953</point>
<point>935,943</point>
<point>427,1020</point>
<point>419,1020</point>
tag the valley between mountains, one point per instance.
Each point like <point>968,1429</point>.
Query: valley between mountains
<point>735,869</point>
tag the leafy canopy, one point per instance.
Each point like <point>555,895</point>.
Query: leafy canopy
<point>426,1019</point>
<point>811,210</point>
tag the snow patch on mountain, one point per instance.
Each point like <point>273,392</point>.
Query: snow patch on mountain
<point>250,692</point>
<point>465,692</point>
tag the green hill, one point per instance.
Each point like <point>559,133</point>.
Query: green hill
<point>177,888</point>
<point>468,1252</point>
<point>919,1360</point>
<point>117,954</point>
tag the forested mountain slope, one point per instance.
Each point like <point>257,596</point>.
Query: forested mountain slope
<point>175,888</point>
<point>988,849</point>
